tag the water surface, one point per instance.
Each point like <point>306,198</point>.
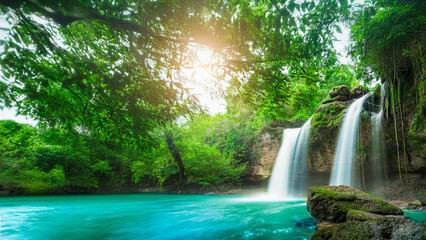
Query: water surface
<point>150,216</point>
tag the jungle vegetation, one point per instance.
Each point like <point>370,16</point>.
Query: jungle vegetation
<point>107,82</point>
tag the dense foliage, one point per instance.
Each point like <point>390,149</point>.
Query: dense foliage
<point>387,36</point>
<point>108,83</point>
<point>52,160</point>
<point>388,42</point>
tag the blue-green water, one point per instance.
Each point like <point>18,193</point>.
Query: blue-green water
<point>153,216</point>
<point>150,216</point>
<point>416,215</point>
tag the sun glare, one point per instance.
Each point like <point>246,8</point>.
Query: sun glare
<point>204,55</point>
<point>200,77</point>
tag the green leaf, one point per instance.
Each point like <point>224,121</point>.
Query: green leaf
<point>311,6</point>
<point>293,22</point>
<point>291,5</point>
<point>304,6</point>
<point>303,28</point>
<point>343,3</point>
<point>297,7</point>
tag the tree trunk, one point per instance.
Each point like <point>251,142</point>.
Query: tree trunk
<point>176,156</point>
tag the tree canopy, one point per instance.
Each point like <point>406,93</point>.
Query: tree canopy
<point>94,65</point>
<point>114,73</point>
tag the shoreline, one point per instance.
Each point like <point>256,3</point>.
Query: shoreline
<point>403,203</point>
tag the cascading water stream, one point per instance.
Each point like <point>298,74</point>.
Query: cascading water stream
<point>298,167</point>
<point>343,158</point>
<point>288,179</point>
<point>377,150</point>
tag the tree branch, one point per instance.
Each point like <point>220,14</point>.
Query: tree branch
<point>80,13</point>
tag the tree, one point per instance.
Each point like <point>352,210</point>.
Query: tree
<point>113,69</point>
<point>385,34</point>
<point>388,42</point>
<point>117,58</point>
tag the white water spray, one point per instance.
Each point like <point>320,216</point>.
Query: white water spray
<point>288,179</point>
<point>377,150</point>
<point>346,142</point>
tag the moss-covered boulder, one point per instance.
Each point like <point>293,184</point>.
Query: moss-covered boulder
<point>332,203</point>
<point>342,98</point>
<point>328,100</point>
<point>348,213</point>
<point>356,215</point>
<point>325,126</point>
<point>340,91</point>
<point>379,228</point>
<point>359,91</point>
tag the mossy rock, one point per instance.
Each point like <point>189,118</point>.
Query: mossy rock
<point>380,228</point>
<point>325,126</point>
<point>307,222</point>
<point>377,91</point>
<point>327,117</point>
<point>332,203</point>
<point>340,91</point>
<point>359,91</point>
<point>357,215</point>
<point>417,136</point>
<point>342,98</point>
<point>328,100</point>
<point>422,198</point>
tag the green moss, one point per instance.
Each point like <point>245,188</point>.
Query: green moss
<point>422,198</point>
<point>329,117</point>
<point>353,199</point>
<point>328,100</point>
<point>416,137</point>
<point>338,87</point>
<point>356,212</point>
<point>347,231</point>
<point>377,90</point>
<point>345,196</point>
<point>366,88</point>
<point>356,215</point>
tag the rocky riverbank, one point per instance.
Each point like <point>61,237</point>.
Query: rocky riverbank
<point>347,213</point>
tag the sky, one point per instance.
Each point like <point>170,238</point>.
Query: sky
<point>212,104</point>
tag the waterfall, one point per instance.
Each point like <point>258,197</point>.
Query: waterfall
<point>343,157</point>
<point>288,179</point>
<point>377,149</point>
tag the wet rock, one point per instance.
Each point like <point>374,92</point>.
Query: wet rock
<point>322,225</point>
<point>400,204</point>
<point>342,98</point>
<point>340,91</point>
<point>380,228</point>
<point>4,193</point>
<point>353,214</point>
<point>356,215</point>
<point>328,100</point>
<point>325,127</point>
<point>358,91</point>
<point>423,201</point>
<point>332,203</point>
<point>307,222</point>
<point>414,205</point>
<point>260,170</point>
